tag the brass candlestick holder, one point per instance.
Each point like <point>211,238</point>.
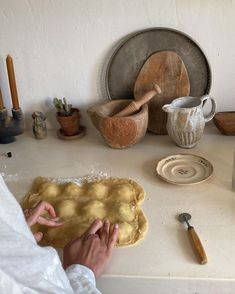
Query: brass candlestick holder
<point>10,126</point>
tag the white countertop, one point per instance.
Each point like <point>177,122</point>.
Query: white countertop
<point>165,254</point>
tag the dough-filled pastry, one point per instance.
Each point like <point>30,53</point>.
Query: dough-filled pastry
<point>78,206</point>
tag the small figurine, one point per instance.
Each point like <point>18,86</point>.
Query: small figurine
<point>39,125</point>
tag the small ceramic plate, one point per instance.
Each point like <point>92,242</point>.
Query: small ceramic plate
<point>184,169</point>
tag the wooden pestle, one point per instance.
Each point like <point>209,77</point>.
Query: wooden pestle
<point>135,105</point>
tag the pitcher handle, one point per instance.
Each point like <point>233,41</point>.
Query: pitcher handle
<point>209,116</point>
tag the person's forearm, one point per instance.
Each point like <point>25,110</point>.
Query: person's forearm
<point>82,279</point>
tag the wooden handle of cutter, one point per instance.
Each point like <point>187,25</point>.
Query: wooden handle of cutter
<point>197,245</point>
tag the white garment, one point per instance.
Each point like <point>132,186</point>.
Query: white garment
<point>28,268</point>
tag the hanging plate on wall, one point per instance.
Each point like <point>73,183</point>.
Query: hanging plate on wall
<point>128,59</point>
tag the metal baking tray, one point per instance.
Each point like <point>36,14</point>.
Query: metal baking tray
<point>128,58</point>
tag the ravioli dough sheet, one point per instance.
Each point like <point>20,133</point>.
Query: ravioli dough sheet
<point>116,199</point>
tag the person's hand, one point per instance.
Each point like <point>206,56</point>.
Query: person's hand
<point>34,216</point>
<point>93,249</point>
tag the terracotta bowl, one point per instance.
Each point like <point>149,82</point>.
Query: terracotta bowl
<point>119,132</point>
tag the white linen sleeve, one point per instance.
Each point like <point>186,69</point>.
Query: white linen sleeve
<point>82,279</point>
<point>28,268</point>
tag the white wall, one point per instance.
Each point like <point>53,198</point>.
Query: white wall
<point>60,46</point>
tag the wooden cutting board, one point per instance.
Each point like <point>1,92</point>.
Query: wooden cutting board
<point>167,69</point>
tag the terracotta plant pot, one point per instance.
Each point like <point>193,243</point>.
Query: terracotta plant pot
<point>69,124</point>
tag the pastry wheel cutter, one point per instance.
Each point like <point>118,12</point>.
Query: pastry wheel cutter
<point>195,241</point>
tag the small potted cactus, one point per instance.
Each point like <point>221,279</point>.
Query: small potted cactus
<point>67,116</point>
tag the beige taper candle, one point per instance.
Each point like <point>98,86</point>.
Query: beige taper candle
<point>12,83</point>
<point>1,101</point>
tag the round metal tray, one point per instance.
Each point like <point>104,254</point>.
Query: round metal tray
<point>127,60</point>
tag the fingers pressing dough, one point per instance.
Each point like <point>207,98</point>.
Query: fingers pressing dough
<point>115,199</point>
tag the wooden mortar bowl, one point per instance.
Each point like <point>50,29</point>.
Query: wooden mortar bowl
<point>119,132</point>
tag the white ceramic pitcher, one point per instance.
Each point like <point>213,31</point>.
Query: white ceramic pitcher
<point>186,121</point>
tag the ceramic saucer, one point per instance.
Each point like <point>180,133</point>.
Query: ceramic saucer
<point>80,134</point>
<point>184,169</point>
